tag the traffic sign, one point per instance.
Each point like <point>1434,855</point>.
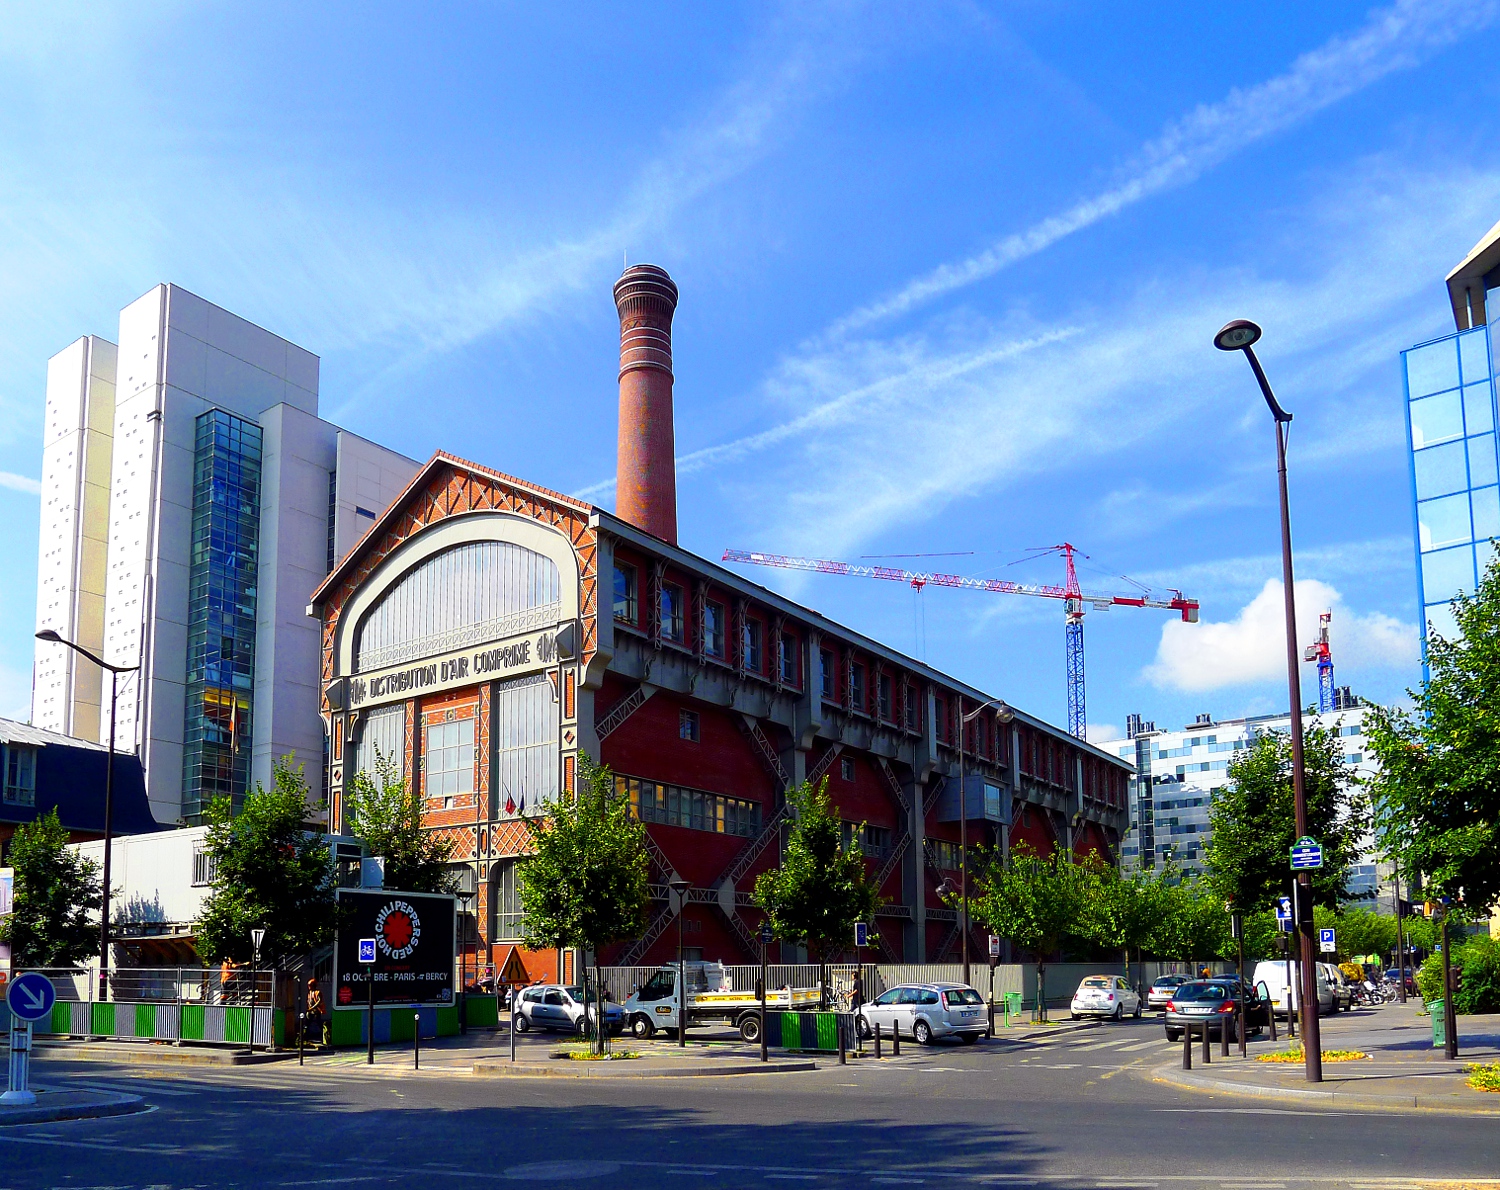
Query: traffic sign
<point>994,946</point>
<point>367,950</point>
<point>1306,853</point>
<point>31,997</point>
<point>767,936</point>
<point>1325,941</point>
<point>861,934</point>
<point>1283,908</point>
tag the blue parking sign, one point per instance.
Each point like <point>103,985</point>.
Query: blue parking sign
<point>367,950</point>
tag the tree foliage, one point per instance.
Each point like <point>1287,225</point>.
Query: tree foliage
<point>387,814</point>
<point>1254,822</point>
<point>55,917</point>
<point>1040,902</point>
<point>1437,796</point>
<point>272,870</point>
<point>822,888</point>
<point>1130,909</point>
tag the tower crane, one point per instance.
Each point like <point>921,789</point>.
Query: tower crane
<point>1075,601</point>
<point>1322,653</point>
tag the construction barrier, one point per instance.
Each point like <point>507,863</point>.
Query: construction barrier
<point>395,1024</point>
<point>815,1031</point>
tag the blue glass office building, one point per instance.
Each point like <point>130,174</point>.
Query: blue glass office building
<point>1450,424</point>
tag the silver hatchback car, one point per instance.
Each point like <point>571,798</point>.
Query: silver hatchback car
<point>926,1012</point>
<point>558,1007</point>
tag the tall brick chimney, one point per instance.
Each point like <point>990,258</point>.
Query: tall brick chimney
<point>646,476</point>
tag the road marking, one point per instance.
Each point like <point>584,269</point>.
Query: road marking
<point>1122,1185</point>
<point>1063,1066</point>
<point>1252,1186</point>
<point>899,1181</point>
<point>1101,1045</point>
<point>132,1089</point>
<point>1140,1045</point>
<point>793,1177</point>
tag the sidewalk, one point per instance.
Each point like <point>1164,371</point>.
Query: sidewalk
<point>1402,1071</point>
<point>53,1105</point>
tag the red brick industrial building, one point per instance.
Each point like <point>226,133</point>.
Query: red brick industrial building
<point>486,630</point>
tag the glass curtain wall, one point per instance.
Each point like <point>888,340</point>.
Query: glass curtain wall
<point>1451,426</point>
<point>222,579</point>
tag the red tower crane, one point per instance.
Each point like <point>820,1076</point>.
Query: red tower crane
<point>1075,601</point>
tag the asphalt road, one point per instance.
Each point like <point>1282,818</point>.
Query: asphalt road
<point>1070,1112</point>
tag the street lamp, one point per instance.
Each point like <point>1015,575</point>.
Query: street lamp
<point>1241,335</point>
<point>47,634</point>
<point>679,889</point>
<point>257,936</point>
<point>464,897</point>
<point>1003,714</point>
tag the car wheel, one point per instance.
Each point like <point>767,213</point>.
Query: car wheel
<point>523,1023</point>
<point>862,1027</point>
<point>1174,1034</point>
<point>969,1038</point>
<point>582,1027</point>
<point>1119,1012</point>
<point>1073,1015</point>
<point>922,1032</point>
<point>1138,1010</point>
<point>642,1027</point>
<point>750,1028</point>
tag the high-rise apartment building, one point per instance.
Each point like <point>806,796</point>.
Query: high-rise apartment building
<point>192,499</point>
<point>1450,420</point>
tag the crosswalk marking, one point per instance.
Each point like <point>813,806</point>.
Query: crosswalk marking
<point>1101,1045</point>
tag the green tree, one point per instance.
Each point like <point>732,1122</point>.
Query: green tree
<point>1254,822</point>
<point>387,814</point>
<point>1040,902</point>
<point>1193,925</point>
<point>57,895</point>
<point>822,888</point>
<point>272,870</point>
<point>1437,795</point>
<point>585,884</point>
<point>1358,931</point>
<point>1129,909</point>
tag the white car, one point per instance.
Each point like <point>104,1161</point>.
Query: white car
<point>925,1012</point>
<point>1106,995</point>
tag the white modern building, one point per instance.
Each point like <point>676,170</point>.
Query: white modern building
<point>191,501</point>
<point>1178,772</point>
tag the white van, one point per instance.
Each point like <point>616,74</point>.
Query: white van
<point>1272,973</point>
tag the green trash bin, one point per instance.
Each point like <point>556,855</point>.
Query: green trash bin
<point>1437,1010</point>
<point>1012,1005</point>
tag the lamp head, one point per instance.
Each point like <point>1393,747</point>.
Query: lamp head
<point>1004,713</point>
<point>49,635</point>
<point>1237,335</point>
<point>679,886</point>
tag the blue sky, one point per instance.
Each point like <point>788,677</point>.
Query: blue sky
<point>949,273</point>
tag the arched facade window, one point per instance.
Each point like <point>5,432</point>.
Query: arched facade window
<point>479,591</point>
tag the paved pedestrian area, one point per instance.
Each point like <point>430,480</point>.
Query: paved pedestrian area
<point>1403,1068</point>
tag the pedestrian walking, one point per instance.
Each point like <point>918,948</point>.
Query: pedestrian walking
<point>317,1016</point>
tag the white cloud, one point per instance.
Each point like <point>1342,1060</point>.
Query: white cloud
<point>1251,648</point>
<point>1097,733</point>
<point>20,483</point>
<point>1393,39</point>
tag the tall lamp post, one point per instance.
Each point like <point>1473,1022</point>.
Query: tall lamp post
<point>1241,335</point>
<point>47,634</point>
<point>1003,714</point>
<point>679,889</point>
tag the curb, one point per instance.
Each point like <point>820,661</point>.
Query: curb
<point>96,1051</point>
<point>557,1069</point>
<point>105,1103</point>
<point>1174,1077</point>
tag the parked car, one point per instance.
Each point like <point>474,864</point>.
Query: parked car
<point>1343,993</point>
<point>1257,1008</point>
<point>560,1008</point>
<point>926,1012</point>
<point>1214,1001</point>
<point>1272,973</point>
<point>1393,976</point>
<point>1159,994</point>
<point>1105,995</point>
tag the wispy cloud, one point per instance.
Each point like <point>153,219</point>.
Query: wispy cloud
<point>1251,647</point>
<point>1394,39</point>
<point>20,483</point>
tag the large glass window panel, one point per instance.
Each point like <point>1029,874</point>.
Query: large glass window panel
<point>1486,513</point>
<point>384,734</point>
<point>1432,368</point>
<point>1436,419</point>
<point>525,772</point>
<point>1479,410</point>
<point>1482,460</point>
<point>1443,522</point>
<point>1440,470</point>
<point>450,758</point>
<point>1447,572</point>
<point>1474,355</point>
<point>1440,620</point>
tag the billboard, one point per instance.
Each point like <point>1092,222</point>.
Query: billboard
<point>414,951</point>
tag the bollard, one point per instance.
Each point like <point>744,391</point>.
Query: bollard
<point>877,1041</point>
<point>895,1039</point>
<point>301,1036</point>
<point>1208,1053</point>
<point>1187,1047</point>
<point>1223,1039</point>
<point>416,1041</point>
<point>1271,1012</point>
<point>1239,1027</point>
<point>990,1031</point>
<point>843,1045</point>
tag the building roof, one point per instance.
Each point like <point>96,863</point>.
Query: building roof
<point>1466,283</point>
<point>70,779</point>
